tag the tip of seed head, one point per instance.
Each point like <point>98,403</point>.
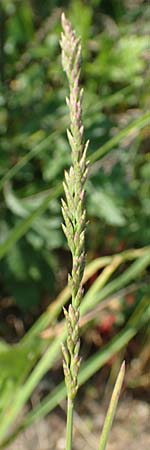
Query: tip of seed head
<point>63,18</point>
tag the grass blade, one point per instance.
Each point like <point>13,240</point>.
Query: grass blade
<point>112,409</point>
<point>107,147</point>
<point>54,309</point>
<point>12,172</point>
<point>122,280</point>
<point>100,152</point>
<point>21,229</point>
<point>94,363</point>
<point>47,360</point>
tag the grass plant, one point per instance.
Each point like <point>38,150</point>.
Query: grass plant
<point>74,216</point>
<point>16,365</point>
<point>75,225</point>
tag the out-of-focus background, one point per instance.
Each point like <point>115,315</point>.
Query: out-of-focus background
<point>34,258</point>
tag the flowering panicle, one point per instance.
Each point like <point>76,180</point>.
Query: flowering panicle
<point>73,210</point>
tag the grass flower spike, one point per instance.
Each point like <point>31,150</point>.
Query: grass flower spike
<point>74,213</point>
<point>74,228</point>
<point>73,208</point>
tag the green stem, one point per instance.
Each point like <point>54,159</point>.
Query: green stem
<point>69,429</point>
<point>112,409</point>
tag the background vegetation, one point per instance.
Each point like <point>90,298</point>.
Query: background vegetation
<point>34,259</point>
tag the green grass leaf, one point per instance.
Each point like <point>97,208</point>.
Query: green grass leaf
<point>112,408</point>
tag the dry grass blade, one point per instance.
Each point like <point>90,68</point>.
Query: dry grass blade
<point>112,409</point>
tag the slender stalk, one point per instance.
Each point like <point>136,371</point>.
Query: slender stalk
<point>112,409</point>
<point>69,429</point>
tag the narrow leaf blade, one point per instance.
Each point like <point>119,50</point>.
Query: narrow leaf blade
<point>112,409</point>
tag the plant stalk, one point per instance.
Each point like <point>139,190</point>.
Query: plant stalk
<point>69,429</point>
<point>112,409</point>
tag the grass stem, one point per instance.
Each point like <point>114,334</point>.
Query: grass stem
<point>112,409</point>
<point>69,429</point>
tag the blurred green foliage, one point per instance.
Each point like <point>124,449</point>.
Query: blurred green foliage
<point>34,149</point>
